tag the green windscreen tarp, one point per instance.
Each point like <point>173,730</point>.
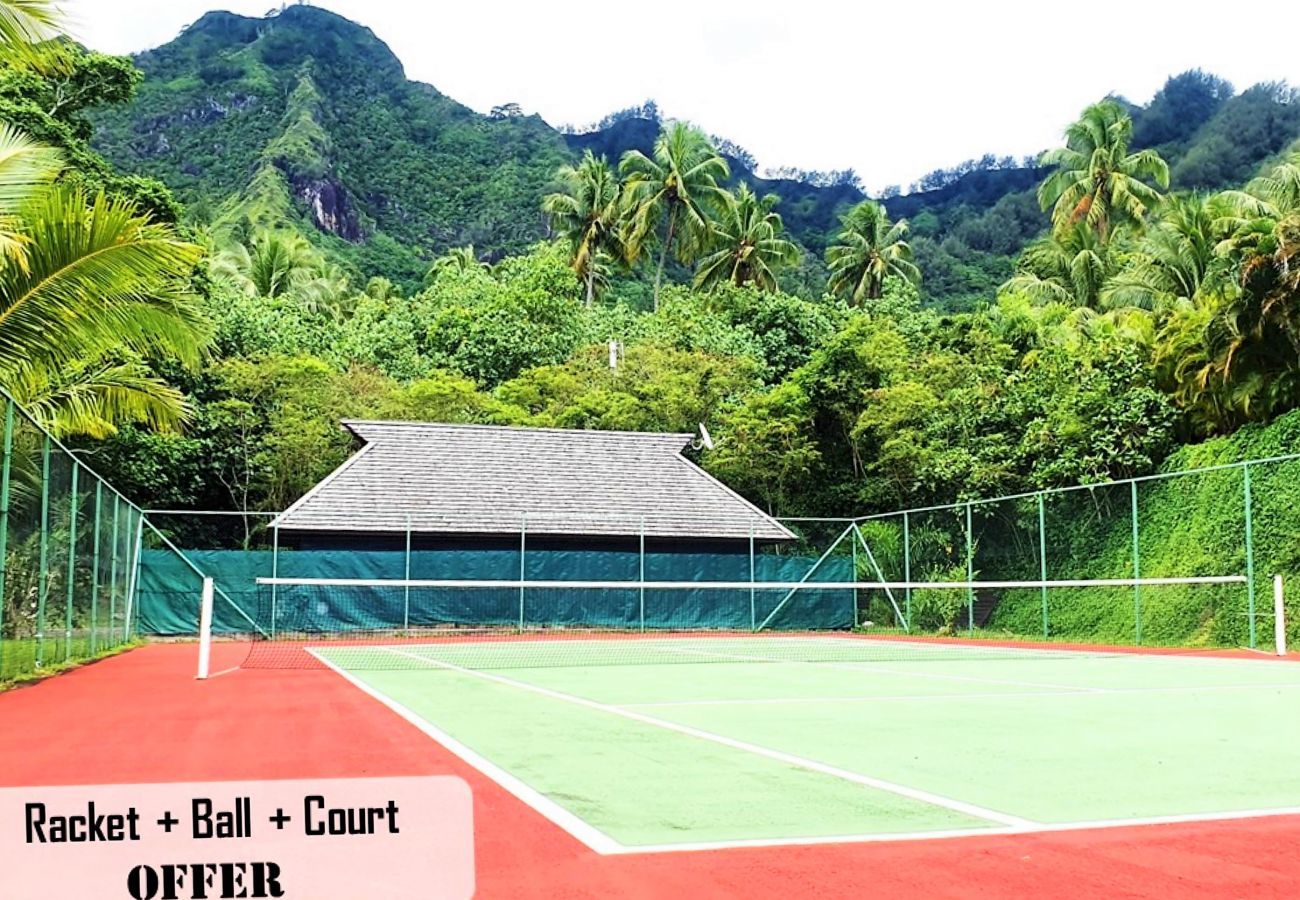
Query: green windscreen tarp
<point>168,602</point>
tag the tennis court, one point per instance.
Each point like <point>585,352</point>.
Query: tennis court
<point>656,743</point>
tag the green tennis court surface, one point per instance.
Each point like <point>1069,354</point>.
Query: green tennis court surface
<point>751,745</point>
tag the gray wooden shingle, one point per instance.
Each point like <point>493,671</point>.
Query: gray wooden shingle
<point>483,479</point>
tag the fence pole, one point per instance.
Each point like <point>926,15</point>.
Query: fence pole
<point>907,568</point>
<point>6,461</point>
<point>406,591</point>
<point>970,573</point>
<point>523,539</point>
<point>133,575</point>
<point>1042,560</point>
<point>753,604</point>
<point>641,573</point>
<point>275,573</point>
<point>1279,617</point>
<point>1137,565</point>
<point>112,568</point>
<point>1250,553</point>
<point>94,571</point>
<point>72,562</point>
<point>43,590</point>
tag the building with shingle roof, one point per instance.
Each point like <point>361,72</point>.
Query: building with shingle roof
<point>484,485</point>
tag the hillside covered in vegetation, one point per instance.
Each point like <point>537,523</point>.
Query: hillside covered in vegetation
<point>305,119</point>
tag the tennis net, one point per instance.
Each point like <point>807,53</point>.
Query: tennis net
<point>482,624</point>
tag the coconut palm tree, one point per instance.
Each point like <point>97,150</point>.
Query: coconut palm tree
<point>268,265</point>
<point>586,214</point>
<point>674,188</point>
<point>1097,180</point>
<point>100,290</point>
<point>1174,261</point>
<point>457,259</point>
<point>748,242</point>
<point>1070,267</point>
<point>26,168</point>
<point>25,24</point>
<point>868,249</point>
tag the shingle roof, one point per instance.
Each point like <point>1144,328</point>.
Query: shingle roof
<point>484,479</point>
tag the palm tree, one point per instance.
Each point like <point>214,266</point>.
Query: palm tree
<point>26,168</point>
<point>749,245</point>
<point>1097,180</point>
<point>268,265</point>
<point>1070,267</point>
<point>100,290</point>
<point>1174,261</point>
<point>868,249</point>
<point>677,184</point>
<point>586,214</point>
<point>24,24</point>
<point>457,259</point>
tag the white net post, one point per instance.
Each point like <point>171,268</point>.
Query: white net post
<point>205,628</point>
<point>1279,616</point>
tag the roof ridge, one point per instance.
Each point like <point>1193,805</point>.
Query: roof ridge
<point>522,429</point>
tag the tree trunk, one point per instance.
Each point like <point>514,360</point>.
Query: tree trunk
<point>591,283</point>
<point>663,254</point>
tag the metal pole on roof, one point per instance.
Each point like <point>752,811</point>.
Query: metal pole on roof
<point>406,607</point>
<point>523,572</point>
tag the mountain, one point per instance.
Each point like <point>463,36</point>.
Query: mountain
<point>306,118</point>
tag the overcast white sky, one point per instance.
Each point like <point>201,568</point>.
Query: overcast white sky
<point>891,90</point>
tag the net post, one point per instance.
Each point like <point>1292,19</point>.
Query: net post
<point>43,589</point>
<point>1250,553</point>
<point>1279,617</point>
<point>275,572</point>
<point>6,463</point>
<point>970,572</point>
<point>94,569</point>
<point>753,604</point>
<point>641,574</point>
<point>1137,564</point>
<point>907,566</point>
<point>205,627</point>
<point>72,562</point>
<point>1042,561</point>
<point>406,588</point>
<point>523,550</point>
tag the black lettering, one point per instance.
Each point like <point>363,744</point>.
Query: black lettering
<point>35,819</point>
<point>308,803</point>
<point>392,818</point>
<point>232,879</point>
<point>202,808</point>
<point>266,880</point>
<point>173,881</point>
<point>142,883</point>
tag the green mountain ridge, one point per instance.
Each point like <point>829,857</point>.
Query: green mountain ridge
<point>305,118</point>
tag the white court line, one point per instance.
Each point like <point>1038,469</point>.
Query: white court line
<point>960,806</point>
<point>850,666</point>
<point>1097,825</point>
<point>588,834</point>
<point>991,695</point>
